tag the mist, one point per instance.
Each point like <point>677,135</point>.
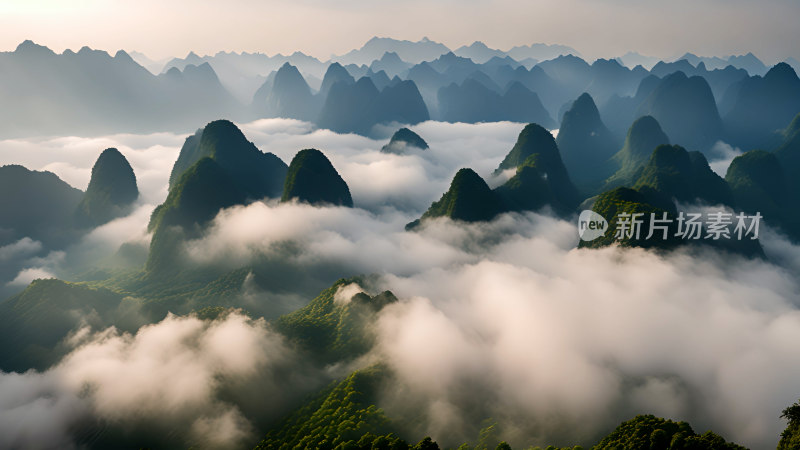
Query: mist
<point>180,382</point>
<point>505,320</point>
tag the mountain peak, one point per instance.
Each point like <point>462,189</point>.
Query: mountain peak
<point>112,189</point>
<point>469,199</point>
<point>781,72</point>
<point>29,47</point>
<point>403,139</point>
<point>313,179</point>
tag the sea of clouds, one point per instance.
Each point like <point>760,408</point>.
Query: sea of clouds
<point>505,320</point>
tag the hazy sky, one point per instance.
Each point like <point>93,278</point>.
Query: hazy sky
<point>596,28</point>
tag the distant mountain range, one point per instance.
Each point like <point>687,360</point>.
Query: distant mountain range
<point>387,81</point>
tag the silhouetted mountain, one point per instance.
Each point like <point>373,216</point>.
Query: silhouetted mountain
<point>390,63</point>
<point>242,73</point>
<point>35,204</point>
<point>619,112</point>
<point>684,176</point>
<point>763,106</point>
<point>540,52</point>
<point>375,48</point>
<point>358,107</point>
<point>93,92</point>
<point>748,62</point>
<point>686,110</point>
<point>759,185</point>
<point>313,179</point>
<point>478,52</point>
<point>380,79</point>
<point>403,139</point>
<point>348,107</point>
<point>633,59</point>
<point>720,79</point>
<point>643,137</point>
<point>111,192</point>
<point>257,174</point>
<point>469,199</point>
<point>335,73</point>
<point>474,102</point>
<point>586,145</point>
<point>290,97</point>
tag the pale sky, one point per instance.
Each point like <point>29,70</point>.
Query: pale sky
<point>596,28</point>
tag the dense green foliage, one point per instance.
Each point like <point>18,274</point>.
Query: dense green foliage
<point>788,154</point>
<point>790,437</point>
<point>643,137</point>
<point>335,330</point>
<point>343,416</point>
<point>313,179</point>
<point>469,199</point>
<point>199,194</point>
<point>112,189</point>
<point>650,432</point>
<point>258,174</point>
<point>402,139</point>
<point>624,200</point>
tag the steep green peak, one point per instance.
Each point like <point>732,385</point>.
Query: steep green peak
<point>112,189</point>
<point>220,136</point>
<point>402,139</point>
<point>533,139</point>
<point>313,179</point>
<point>644,135</point>
<point>469,199</point>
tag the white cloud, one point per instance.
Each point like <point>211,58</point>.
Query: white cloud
<point>169,377</point>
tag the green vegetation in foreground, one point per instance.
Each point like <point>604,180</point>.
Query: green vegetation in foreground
<point>334,330</point>
<point>650,432</point>
<point>342,416</point>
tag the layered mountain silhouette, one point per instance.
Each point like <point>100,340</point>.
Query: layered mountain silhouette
<point>474,102</point>
<point>288,95</point>
<point>335,74</point>
<point>761,107</point>
<point>686,110</point>
<point>111,192</point>
<point>313,179</point>
<point>404,140</point>
<point>356,108</point>
<point>90,91</point>
<point>585,144</point>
